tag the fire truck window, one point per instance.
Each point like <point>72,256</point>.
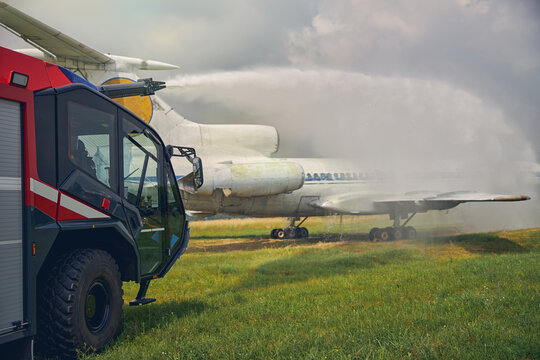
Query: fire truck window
<point>91,131</point>
<point>141,188</point>
<point>174,212</point>
<point>140,170</point>
<point>137,134</point>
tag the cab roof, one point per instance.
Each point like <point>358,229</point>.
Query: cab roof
<point>41,74</point>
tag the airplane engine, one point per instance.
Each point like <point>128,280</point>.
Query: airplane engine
<point>253,179</point>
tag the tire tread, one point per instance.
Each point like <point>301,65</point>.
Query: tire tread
<point>57,297</point>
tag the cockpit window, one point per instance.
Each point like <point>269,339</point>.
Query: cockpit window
<point>308,176</point>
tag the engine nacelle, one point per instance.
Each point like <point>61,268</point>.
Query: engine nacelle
<point>260,138</point>
<point>253,179</point>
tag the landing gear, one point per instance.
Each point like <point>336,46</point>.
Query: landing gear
<point>397,232</point>
<point>292,231</point>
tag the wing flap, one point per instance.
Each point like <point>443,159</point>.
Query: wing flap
<point>49,39</point>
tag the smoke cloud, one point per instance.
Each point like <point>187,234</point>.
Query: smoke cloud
<point>376,119</point>
<point>427,134</point>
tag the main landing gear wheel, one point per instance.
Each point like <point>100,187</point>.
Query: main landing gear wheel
<point>303,233</point>
<point>398,233</point>
<point>293,231</point>
<point>385,234</point>
<point>373,234</point>
<point>410,232</point>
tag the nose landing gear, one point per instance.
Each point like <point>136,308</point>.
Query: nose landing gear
<point>293,231</point>
<point>396,232</point>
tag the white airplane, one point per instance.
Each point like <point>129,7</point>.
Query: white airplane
<point>240,177</point>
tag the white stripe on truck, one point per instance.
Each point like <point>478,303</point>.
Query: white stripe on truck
<point>44,190</point>
<point>80,208</point>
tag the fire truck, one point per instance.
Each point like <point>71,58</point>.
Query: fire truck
<point>88,200</point>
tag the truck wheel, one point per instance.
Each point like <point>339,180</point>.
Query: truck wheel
<point>80,303</point>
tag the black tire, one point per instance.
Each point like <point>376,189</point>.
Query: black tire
<point>280,234</point>
<point>410,232</point>
<point>273,234</point>
<point>291,233</point>
<point>399,233</point>
<point>80,304</point>
<point>373,234</point>
<point>304,233</point>
<point>385,234</point>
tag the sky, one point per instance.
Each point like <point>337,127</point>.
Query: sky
<point>337,77</point>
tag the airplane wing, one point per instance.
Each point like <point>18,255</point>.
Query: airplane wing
<point>414,202</point>
<point>68,52</point>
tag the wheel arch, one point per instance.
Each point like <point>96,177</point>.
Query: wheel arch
<point>112,239</point>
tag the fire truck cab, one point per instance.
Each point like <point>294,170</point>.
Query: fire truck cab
<point>88,199</point>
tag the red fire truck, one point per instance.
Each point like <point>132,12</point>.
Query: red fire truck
<point>88,199</point>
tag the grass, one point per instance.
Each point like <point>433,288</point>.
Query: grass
<point>245,296</point>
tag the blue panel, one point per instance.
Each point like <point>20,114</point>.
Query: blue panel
<point>74,78</point>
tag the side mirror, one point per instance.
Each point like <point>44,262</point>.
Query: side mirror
<point>192,157</point>
<point>197,172</point>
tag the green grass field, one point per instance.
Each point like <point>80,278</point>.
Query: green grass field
<point>237,294</point>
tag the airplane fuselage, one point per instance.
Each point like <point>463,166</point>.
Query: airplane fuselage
<point>322,179</point>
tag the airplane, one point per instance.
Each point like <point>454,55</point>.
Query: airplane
<point>240,175</point>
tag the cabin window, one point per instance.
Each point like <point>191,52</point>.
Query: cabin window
<point>91,133</point>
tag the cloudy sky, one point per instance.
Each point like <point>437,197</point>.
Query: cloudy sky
<point>389,72</point>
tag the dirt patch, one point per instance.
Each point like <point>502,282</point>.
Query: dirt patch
<point>432,238</point>
<point>250,244</point>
